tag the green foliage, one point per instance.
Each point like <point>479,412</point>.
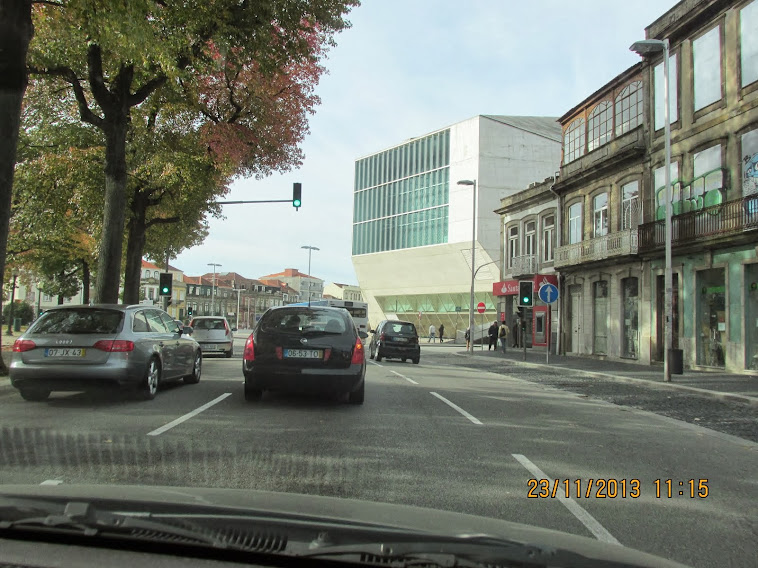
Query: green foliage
<point>21,310</point>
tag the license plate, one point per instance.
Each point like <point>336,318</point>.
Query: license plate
<point>64,352</point>
<point>401,340</point>
<point>303,353</point>
<point>210,346</point>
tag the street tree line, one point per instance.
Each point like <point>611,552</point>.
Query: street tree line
<point>127,121</point>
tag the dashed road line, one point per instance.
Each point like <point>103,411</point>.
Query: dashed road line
<point>52,482</point>
<point>584,517</point>
<point>456,407</point>
<point>162,429</point>
<point>404,377</point>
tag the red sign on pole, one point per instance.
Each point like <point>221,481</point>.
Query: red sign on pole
<point>480,307</point>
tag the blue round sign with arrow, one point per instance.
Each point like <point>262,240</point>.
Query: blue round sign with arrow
<point>548,293</point>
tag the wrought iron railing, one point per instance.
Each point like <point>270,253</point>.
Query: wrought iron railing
<point>731,217</point>
<point>622,243</point>
<point>526,264</point>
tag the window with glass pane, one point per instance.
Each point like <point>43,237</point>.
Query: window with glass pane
<point>749,43</point>
<point>750,162</point>
<point>548,230</point>
<point>573,141</point>
<point>600,125</point>
<point>513,251</point>
<point>575,223</point>
<point>631,213</point>
<point>659,180</point>
<point>600,214</point>
<point>706,61</point>
<point>629,108</point>
<point>658,93</point>
<point>529,231</point>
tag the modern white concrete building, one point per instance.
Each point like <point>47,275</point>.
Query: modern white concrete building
<point>412,222</point>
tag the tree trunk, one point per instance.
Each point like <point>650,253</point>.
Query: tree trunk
<point>85,282</point>
<point>16,32</point>
<point>135,246</point>
<point>114,212</point>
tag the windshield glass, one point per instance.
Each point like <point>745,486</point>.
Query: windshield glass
<point>466,268</point>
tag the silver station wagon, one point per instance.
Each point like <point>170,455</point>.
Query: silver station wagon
<point>79,348</point>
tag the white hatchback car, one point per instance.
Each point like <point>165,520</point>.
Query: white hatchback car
<point>213,334</point>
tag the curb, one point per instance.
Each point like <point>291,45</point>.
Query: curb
<point>731,397</point>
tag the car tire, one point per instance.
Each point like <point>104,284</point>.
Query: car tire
<point>34,395</point>
<point>415,361</point>
<point>378,356</point>
<point>149,385</point>
<point>371,355</point>
<point>252,395</point>
<point>197,367</point>
<point>356,397</point>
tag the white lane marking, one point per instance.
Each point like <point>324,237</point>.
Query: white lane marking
<point>187,416</point>
<point>375,363</point>
<point>404,377</point>
<point>584,517</point>
<point>456,407</point>
<point>52,482</point>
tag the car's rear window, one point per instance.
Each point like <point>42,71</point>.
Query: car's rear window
<point>208,324</point>
<point>78,321</point>
<point>401,328</point>
<point>304,320</point>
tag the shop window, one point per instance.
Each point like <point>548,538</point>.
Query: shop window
<point>711,317</point>
<point>630,328</point>
<point>600,297</point>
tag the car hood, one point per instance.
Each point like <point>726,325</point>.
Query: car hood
<point>337,511</point>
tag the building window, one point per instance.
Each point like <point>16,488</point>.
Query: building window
<point>530,230</point>
<point>600,297</point>
<point>150,293</point>
<point>659,180</point>
<point>673,104</point>
<point>749,43</point>
<point>711,317</point>
<point>548,231</point>
<point>707,185</point>
<point>575,223</point>
<point>156,274</point>
<point>600,125</point>
<point>147,274</point>
<point>750,162</point>
<point>600,215</point>
<point>573,141</point>
<point>629,108</point>
<point>513,251</point>
<point>706,62</point>
<point>630,343</point>
<point>630,205</point>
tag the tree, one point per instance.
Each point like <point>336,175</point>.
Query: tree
<point>21,310</point>
<point>129,51</point>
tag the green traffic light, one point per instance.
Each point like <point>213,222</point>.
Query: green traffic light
<point>296,203</point>
<point>165,290</point>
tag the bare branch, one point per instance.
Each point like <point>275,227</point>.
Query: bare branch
<point>145,90</point>
<point>162,221</point>
<point>68,75</point>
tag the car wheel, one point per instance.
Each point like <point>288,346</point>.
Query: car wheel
<point>415,361</point>
<point>197,367</point>
<point>356,397</point>
<point>149,386</point>
<point>252,395</point>
<point>378,355</point>
<point>371,355</point>
<point>34,395</point>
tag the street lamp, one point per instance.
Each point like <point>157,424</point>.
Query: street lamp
<point>238,290</point>
<point>13,299</point>
<point>649,47</point>
<point>213,288</point>
<point>473,265</point>
<point>310,250</point>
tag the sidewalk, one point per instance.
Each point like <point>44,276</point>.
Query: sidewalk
<point>731,386</point>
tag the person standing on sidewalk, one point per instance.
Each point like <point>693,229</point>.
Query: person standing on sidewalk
<point>432,332</point>
<point>442,331</point>
<point>492,333</point>
<point>467,335</point>
<point>503,335</point>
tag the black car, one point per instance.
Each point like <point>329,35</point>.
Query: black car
<point>305,349</point>
<point>395,339</point>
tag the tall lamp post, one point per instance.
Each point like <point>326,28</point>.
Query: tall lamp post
<point>310,250</point>
<point>643,48</point>
<point>473,264</point>
<point>13,299</point>
<point>239,291</point>
<point>213,288</point>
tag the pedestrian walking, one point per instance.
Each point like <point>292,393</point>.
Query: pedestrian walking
<point>432,332</point>
<point>492,333</point>
<point>442,331</point>
<point>515,333</point>
<point>467,335</point>
<point>503,335</point>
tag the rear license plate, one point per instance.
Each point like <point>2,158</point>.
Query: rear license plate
<point>401,340</point>
<point>210,346</point>
<point>303,354</point>
<point>64,352</point>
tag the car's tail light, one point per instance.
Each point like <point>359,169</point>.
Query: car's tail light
<point>279,353</point>
<point>114,345</point>
<point>327,354</point>
<point>381,337</point>
<point>226,327</point>
<point>358,353</point>
<point>249,353</point>
<point>21,345</point>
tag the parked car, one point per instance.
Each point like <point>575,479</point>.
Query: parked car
<point>306,349</point>
<point>213,334</point>
<point>395,339</point>
<point>79,348</point>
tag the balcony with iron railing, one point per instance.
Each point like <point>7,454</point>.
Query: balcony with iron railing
<point>726,219</point>
<point>613,245</point>
<point>522,266</point>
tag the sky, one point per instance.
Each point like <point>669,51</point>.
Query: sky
<point>406,68</point>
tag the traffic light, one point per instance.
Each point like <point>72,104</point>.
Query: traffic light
<point>297,192</point>
<point>526,293</point>
<point>165,284</point>
<point>189,310</point>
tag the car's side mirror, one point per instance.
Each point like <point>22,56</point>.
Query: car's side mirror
<point>187,330</point>
<point>362,334</point>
